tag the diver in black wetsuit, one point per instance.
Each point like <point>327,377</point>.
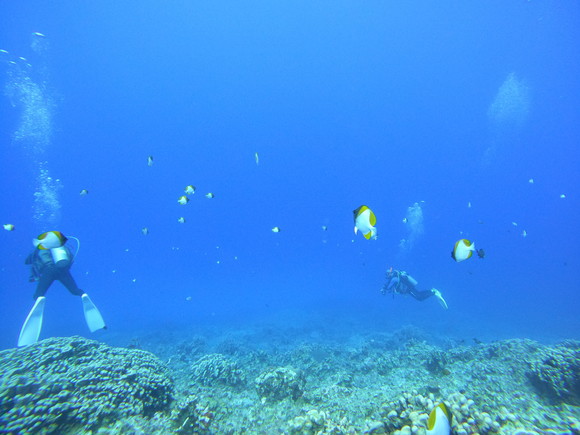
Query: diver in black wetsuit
<point>45,270</point>
<point>51,260</point>
<point>399,282</point>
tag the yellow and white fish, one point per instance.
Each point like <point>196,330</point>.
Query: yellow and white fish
<point>257,157</point>
<point>145,231</point>
<point>150,161</point>
<point>324,228</point>
<point>9,227</point>
<point>365,221</point>
<point>209,195</point>
<point>183,200</point>
<point>84,192</point>
<point>464,249</point>
<point>181,220</point>
<point>49,240</point>
<point>276,229</point>
<point>190,190</point>
<point>440,420</point>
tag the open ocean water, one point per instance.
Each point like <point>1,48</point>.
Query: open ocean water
<point>253,307</point>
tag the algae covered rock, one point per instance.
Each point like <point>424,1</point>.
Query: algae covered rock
<point>66,385</point>
<point>557,374</point>
<point>189,417</point>
<point>313,422</point>
<point>216,369</point>
<point>280,383</point>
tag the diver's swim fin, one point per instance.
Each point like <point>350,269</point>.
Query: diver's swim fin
<point>33,324</point>
<point>439,297</point>
<point>92,315</point>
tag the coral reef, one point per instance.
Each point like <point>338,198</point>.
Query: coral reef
<point>313,422</point>
<point>279,383</point>
<point>557,374</point>
<point>215,369</point>
<point>411,410</point>
<point>376,383</point>
<point>63,385</point>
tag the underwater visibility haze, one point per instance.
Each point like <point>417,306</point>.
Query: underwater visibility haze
<point>208,163</point>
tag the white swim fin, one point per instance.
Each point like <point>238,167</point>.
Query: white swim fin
<point>439,297</point>
<point>33,324</point>
<point>92,315</point>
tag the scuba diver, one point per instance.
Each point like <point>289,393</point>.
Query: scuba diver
<point>51,261</point>
<point>399,282</point>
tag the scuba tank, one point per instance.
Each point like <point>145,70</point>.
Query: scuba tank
<point>410,279</point>
<point>60,256</point>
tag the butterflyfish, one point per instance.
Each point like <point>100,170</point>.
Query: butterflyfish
<point>9,227</point>
<point>190,190</point>
<point>49,240</point>
<point>183,200</point>
<point>439,422</point>
<point>276,229</point>
<point>324,228</point>
<point>524,233</point>
<point>84,192</point>
<point>145,231</point>
<point>150,161</point>
<point>181,220</point>
<point>209,195</point>
<point>365,221</point>
<point>464,249</point>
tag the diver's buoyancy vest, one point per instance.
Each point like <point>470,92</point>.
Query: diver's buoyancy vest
<point>44,257</point>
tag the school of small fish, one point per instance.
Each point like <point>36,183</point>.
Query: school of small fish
<point>365,220</point>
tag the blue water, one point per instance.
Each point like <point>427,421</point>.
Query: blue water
<point>388,104</point>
